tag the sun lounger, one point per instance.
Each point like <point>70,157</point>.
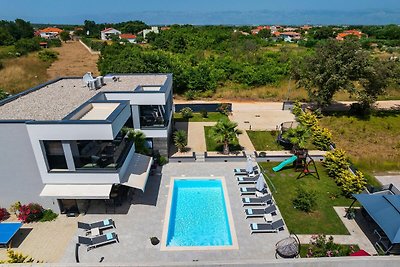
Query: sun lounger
<point>247,180</point>
<point>258,201</point>
<point>244,172</point>
<point>101,225</point>
<point>258,213</point>
<point>93,242</point>
<point>273,227</point>
<point>251,191</point>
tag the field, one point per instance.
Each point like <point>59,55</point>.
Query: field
<point>324,219</point>
<point>22,73</point>
<point>373,143</point>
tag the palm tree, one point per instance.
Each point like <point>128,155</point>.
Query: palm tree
<point>139,138</point>
<point>180,140</point>
<point>225,132</point>
<point>298,136</point>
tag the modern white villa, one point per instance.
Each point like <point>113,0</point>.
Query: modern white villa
<point>62,142</point>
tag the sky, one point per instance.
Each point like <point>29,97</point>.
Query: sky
<point>204,11</point>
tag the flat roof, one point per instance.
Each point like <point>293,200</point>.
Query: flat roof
<point>98,111</point>
<point>56,100</point>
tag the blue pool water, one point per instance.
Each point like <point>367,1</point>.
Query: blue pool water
<point>198,214</point>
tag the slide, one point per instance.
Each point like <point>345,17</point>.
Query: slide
<point>284,163</point>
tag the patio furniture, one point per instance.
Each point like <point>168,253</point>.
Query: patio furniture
<point>259,201</point>
<point>93,242</point>
<point>273,227</point>
<point>258,213</point>
<point>250,191</point>
<point>246,180</point>
<point>244,172</point>
<point>7,232</point>
<point>101,225</point>
<point>288,247</point>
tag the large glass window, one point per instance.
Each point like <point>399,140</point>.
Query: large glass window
<point>153,116</point>
<point>55,155</point>
<point>100,154</point>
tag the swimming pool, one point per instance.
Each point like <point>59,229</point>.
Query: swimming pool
<point>199,215</point>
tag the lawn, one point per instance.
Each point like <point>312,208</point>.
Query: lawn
<point>324,219</point>
<point>373,143</point>
<point>266,141</point>
<point>197,117</point>
<point>214,146</point>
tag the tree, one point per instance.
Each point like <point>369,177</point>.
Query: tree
<point>334,66</point>
<point>64,35</point>
<point>264,33</point>
<point>180,140</point>
<point>139,138</point>
<point>225,132</point>
<point>323,33</point>
<point>298,136</point>
<point>24,46</point>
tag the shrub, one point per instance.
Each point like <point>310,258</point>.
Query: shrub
<point>223,108</point>
<point>24,46</point>
<point>305,200</point>
<point>204,113</point>
<point>30,213</point>
<point>48,55</point>
<point>297,110</point>
<point>322,137</point>
<point>53,42</point>
<point>3,94</point>
<point>15,207</point>
<point>297,136</point>
<point>187,113</point>
<point>15,257</point>
<point>180,140</point>
<point>321,247</point>
<point>308,119</point>
<point>190,95</point>
<point>351,183</point>
<point>336,161</point>
<point>162,160</point>
<point>4,214</point>
<point>48,215</point>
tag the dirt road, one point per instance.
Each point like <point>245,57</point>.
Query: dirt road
<point>73,60</point>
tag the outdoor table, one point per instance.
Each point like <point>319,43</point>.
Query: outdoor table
<point>95,231</point>
<point>268,217</point>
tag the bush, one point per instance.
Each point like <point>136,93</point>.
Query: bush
<point>322,137</point>
<point>308,119</point>
<point>190,95</point>
<point>32,212</point>
<point>204,113</point>
<point>3,94</point>
<point>336,161</point>
<point>15,207</point>
<point>351,183</point>
<point>223,108</point>
<point>297,110</point>
<point>162,160</point>
<point>53,42</point>
<point>48,55</point>
<point>321,247</point>
<point>187,113</point>
<point>180,140</point>
<point>24,46</point>
<point>305,200</point>
<point>48,215</point>
<point>4,214</point>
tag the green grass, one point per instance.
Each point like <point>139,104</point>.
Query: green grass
<point>214,146</point>
<point>264,140</point>
<point>304,249</point>
<point>7,51</point>
<point>197,117</point>
<point>324,219</point>
<point>373,142</point>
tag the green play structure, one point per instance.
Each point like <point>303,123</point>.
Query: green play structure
<point>284,163</point>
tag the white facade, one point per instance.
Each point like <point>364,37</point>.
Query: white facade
<point>147,31</point>
<point>106,34</point>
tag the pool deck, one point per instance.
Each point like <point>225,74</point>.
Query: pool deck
<point>145,219</point>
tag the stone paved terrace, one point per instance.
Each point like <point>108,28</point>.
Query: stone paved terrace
<point>146,218</point>
<point>54,101</point>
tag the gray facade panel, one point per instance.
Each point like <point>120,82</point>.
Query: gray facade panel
<point>19,175</point>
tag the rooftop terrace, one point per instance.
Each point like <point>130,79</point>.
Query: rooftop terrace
<point>56,100</point>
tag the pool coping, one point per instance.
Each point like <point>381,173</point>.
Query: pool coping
<point>232,228</point>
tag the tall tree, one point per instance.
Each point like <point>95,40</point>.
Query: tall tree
<point>225,132</point>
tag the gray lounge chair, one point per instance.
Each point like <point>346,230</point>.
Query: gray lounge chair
<point>257,201</point>
<point>273,227</point>
<point>250,191</point>
<point>93,242</point>
<point>247,180</point>
<point>255,213</point>
<point>105,224</point>
<point>244,172</point>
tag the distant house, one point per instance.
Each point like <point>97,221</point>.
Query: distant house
<point>288,36</point>
<point>259,28</point>
<point>147,31</point>
<point>49,33</point>
<point>107,33</point>
<point>165,28</point>
<point>128,36</point>
<point>342,35</point>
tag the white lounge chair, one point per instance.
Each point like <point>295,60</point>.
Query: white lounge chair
<point>93,242</point>
<point>273,227</point>
<point>258,201</point>
<point>259,213</point>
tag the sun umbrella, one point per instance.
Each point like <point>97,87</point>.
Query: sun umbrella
<point>249,166</point>
<point>260,183</point>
